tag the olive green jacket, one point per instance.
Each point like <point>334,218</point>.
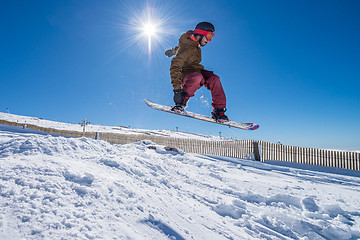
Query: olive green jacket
<point>187,59</point>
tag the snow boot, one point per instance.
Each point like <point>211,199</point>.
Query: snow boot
<point>218,114</point>
<point>180,107</point>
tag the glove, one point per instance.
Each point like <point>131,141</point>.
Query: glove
<point>178,98</point>
<point>169,52</point>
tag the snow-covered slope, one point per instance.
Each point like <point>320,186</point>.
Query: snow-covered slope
<point>99,128</point>
<point>77,188</point>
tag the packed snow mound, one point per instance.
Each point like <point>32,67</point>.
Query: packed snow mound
<point>52,187</point>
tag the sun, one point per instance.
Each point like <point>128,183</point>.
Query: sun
<point>148,28</point>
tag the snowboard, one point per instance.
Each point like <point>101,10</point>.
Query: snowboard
<point>245,126</point>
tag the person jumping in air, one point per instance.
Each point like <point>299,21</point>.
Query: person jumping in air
<point>188,75</point>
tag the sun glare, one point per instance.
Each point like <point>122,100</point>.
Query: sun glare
<point>148,28</point>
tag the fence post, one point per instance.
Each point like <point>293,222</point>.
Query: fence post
<point>303,153</point>
<point>355,166</point>
<point>325,158</point>
<point>346,160</point>
<point>273,151</point>
<point>321,157</point>
<point>313,156</point>
<point>336,159</point>
<point>327,153</point>
<point>289,153</point>
<point>243,149</point>
<point>256,151</point>
<point>265,150</point>
<point>288,157</point>
<point>294,154</point>
<point>342,160</point>
<point>280,150</point>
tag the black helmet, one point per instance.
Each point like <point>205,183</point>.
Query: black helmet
<point>205,26</point>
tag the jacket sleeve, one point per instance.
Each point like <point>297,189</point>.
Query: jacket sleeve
<point>176,67</point>
<point>175,50</point>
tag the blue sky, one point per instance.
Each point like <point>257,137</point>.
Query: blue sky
<point>293,67</point>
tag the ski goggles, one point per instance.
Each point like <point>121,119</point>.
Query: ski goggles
<point>209,35</point>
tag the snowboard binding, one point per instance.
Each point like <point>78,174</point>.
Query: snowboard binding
<point>178,108</point>
<point>218,114</point>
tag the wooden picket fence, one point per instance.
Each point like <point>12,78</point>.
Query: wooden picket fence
<point>259,150</point>
<point>314,156</point>
<point>238,149</point>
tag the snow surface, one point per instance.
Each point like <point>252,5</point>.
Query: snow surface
<point>99,128</point>
<point>54,187</point>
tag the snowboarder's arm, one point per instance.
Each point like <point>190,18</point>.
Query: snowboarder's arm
<point>177,64</point>
<point>171,52</point>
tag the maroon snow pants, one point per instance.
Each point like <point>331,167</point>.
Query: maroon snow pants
<point>192,81</point>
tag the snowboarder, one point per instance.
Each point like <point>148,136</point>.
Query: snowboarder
<point>188,75</point>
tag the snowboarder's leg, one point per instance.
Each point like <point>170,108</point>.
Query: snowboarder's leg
<point>192,81</point>
<point>213,83</point>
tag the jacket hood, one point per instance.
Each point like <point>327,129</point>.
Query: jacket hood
<point>186,39</point>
